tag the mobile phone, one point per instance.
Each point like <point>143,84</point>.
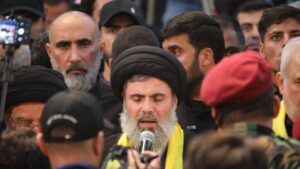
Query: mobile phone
<point>14,31</point>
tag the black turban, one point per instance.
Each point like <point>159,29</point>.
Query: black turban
<point>151,61</point>
<point>33,84</point>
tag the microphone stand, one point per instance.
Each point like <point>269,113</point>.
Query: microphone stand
<point>6,78</point>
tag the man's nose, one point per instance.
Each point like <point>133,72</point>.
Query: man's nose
<point>75,56</point>
<point>147,106</point>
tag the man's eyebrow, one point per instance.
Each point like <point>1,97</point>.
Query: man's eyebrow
<point>62,42</point>
<point>136,94</point>
<point>83,40</point>
<point>157,94</point>
<point>295,31</point>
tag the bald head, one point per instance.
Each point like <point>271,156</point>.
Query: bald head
<point>74,49</point>
<point>72,19</point>
<point>290,50</point>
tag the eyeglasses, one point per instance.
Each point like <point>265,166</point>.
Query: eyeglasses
<point>24,123</point>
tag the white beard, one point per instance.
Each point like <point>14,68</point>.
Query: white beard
<point>162,133</point>
<point>80,81</point>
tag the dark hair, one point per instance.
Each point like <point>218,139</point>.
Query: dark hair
<point>56,2</point>
<point>39,53</point>
<point>253,5</point>
<point>136,35</point>
<point>202,31</point>
<point>19,150</point>
<point>224,151</point>
<point>228,22</point>
<point>85,6</point>
<point>227,7</point>
<point>260,108</point>
<point>276,15</point>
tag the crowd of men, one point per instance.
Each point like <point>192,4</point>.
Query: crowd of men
<point>96,87</point>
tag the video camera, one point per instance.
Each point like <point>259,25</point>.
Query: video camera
<point>14,31</point>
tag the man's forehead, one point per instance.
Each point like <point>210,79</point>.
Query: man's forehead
<point>31,106</point>
<point>286,25</point>
<point>148,85</point>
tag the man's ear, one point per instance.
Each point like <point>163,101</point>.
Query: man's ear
<point>110,63</point>
<point>41,144</point>
<point>98,144</point>
<point>175,102</point>
<point>213,113</point>
<point>280,81</point>
<point>276,106</point>
<point>206,60</point>
<point>261,49</point>
<point>102,45</point>
<point>48,49</point>
<point>6,118</point>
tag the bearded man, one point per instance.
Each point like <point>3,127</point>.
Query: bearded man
<point>196,40</point>
<point>74,51</point>
<point>151,83</point>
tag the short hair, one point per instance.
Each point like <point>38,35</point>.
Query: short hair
<point>250,6</point>
<point>290,48</point>
<point>19,150</point>
<point>202,30</point>
<point>227,7</point>
<point>226,22</point>
<point>260,108</point>
<point>224,151</point>
<point>276,15</point>
<point>136,35</point>
<point>56,2</point>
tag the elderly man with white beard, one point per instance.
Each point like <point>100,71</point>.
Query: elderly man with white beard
<point>74,51</point>
<point>151,83</point>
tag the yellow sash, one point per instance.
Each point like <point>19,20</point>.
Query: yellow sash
<point>278,122</point>
<point>175,148</point>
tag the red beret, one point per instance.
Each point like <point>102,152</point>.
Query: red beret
<point>237,79</point>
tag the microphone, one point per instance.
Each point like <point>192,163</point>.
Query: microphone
<point>146,141</point>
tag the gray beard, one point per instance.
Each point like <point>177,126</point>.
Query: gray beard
<point>80,81</point>
<point>162,133</point>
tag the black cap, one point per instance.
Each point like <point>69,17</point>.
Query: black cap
<point>77,111</point>
<point>34,6</point>
<point>150,61</point>
<point>120,6</point>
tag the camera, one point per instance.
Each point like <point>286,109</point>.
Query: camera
<point>117,158</point>
<point>14,31</point>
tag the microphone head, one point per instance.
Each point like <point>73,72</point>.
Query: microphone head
<point>147,135</point>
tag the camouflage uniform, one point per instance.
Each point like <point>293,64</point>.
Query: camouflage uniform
<point>283,153</point>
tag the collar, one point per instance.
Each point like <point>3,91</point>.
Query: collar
<point>250,129</point>
<point>77,166</point>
